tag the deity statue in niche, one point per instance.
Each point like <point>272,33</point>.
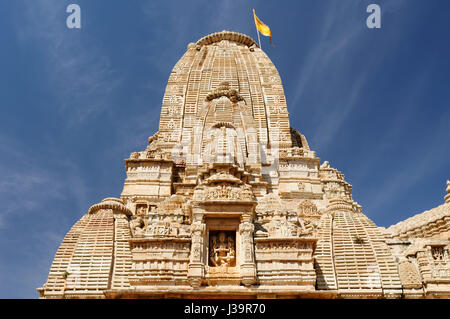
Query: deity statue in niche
<point>222,250</point>
<point>438,253</point>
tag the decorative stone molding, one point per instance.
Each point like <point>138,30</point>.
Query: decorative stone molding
<point>338,204</point>
<point>110,203</point>
<point>224,90</point>
<point>159,261</point>
<point>307,209</point>
<point>227,192</point>
<point>227,35</point>
<point>434,223</point>
<point>286,261</point>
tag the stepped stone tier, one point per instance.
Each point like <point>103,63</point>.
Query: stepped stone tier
<point>228,200</point>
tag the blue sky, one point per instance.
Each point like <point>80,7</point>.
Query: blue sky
<point>75,103</point>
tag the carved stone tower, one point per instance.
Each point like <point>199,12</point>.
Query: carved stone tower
<point>226,200</point>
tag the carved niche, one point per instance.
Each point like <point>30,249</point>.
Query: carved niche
<point>309,215</point>
<point>439,260</point>
<point>222,249</point>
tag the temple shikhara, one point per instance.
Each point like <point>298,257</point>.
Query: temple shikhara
<point>228,201</point>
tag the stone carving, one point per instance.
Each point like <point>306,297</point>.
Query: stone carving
<point>277,219</point>
<point>246,230</point>
<point>438,253</point>
<point>325,164</point>
<point>222,250</point>
<point>172,110</point>
<point>267,207</point>
<point>226,193</point>
<point>110,203</point>
<point>309,213</point>
<point>440,262</point>
<point>158,230</point>
<point>197,232</point>
<point>154,150</point>
<point>296,151</point>
<point>134,155</point>
<point>281,228</point>
<point>169,219</point>
<point>150,265</point>
<point>224,90</point>
<point>173,209</point>
<point>141,210</point>
<point>137,226</point>
<point>409,275</point>
<point>166,229</point>
<point>284,137</point>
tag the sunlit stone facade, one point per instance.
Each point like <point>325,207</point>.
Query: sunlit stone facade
<point>228,200</point>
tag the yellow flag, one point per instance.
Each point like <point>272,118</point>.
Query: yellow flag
<point>264,29</point>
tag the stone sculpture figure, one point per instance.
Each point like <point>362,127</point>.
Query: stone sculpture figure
<point>222,250</point>
<point>136,225</point>
<point>142,210</point>
<point>438,253</point>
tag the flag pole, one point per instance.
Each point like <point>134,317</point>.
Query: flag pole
<point>259,40</point>
<point>257,31</point>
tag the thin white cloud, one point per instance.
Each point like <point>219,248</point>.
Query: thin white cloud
<point>415,168</point>
<point>80,75</point>
<point>333,41</point>
<point>32,190</point>
<point>27,186</point>
<point>390,134</point>
<point>314,58</point>
<point>330,123</point>
<point>411,173</point>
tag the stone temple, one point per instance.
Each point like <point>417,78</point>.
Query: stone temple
<point>229,201</point>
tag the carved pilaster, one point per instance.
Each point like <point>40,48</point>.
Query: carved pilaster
<point>248,266</point>
<point>196,270</point>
